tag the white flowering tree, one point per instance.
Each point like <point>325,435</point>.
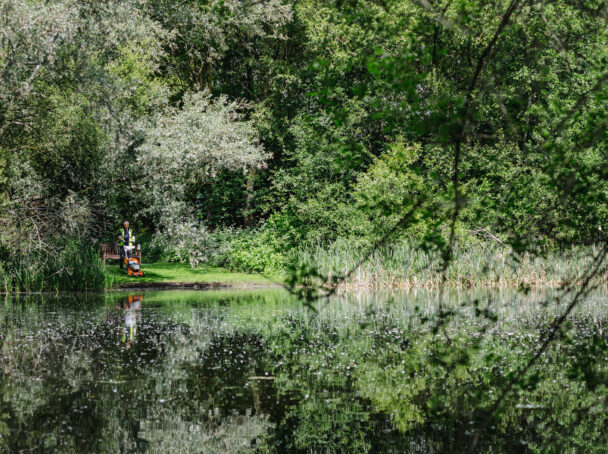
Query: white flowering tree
<point>87,134</point>
<point>187,146</point>
<point>74,78</point>
<point>30,35</point>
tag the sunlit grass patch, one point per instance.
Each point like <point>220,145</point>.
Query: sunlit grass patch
<point>180,273</point>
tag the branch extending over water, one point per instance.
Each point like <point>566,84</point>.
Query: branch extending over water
<point>461,135</point>
<point>309,293</point>
<point>586,286</point>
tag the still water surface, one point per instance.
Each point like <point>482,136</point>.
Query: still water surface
<point>225,371</point>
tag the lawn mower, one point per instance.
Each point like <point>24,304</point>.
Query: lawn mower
<point>131,263</point>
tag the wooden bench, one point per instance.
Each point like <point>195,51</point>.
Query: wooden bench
<point>112,251</point>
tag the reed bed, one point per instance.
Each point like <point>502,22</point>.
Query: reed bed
<point>489,265</point>
<point>72,269</point>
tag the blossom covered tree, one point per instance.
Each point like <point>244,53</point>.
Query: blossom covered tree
<point>186,146</point>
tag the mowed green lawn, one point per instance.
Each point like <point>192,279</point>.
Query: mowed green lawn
<point>179,272</point>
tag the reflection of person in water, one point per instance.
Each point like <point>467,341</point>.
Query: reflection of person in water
<point>132,309</point>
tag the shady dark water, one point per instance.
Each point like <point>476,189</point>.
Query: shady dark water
<point>255,371</point>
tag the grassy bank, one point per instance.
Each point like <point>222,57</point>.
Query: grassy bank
<point>395,266</point>
<point>179,273</point>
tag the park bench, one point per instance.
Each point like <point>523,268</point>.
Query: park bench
<point>112,251</point>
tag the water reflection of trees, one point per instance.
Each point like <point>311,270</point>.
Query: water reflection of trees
<point>69,384</point>
<point>221,373</point>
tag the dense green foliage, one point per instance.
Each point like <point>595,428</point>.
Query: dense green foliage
<point>386,141</point>
<point>306,121</point>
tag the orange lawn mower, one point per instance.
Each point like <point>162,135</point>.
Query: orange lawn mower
<point>131,263</point>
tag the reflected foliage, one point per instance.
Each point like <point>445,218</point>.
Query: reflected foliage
<point>257,372</point>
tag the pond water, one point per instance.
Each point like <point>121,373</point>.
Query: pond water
<point>256,371</point>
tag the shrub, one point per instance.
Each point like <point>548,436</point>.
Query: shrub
<point>259,251</point>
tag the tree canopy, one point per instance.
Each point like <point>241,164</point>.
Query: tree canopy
<point>308,121</point>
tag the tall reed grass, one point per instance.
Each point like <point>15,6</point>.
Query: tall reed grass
<point>74,268</point>
<point>403,265</point>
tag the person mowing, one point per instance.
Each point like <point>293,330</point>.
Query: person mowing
<point>126,237</point>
